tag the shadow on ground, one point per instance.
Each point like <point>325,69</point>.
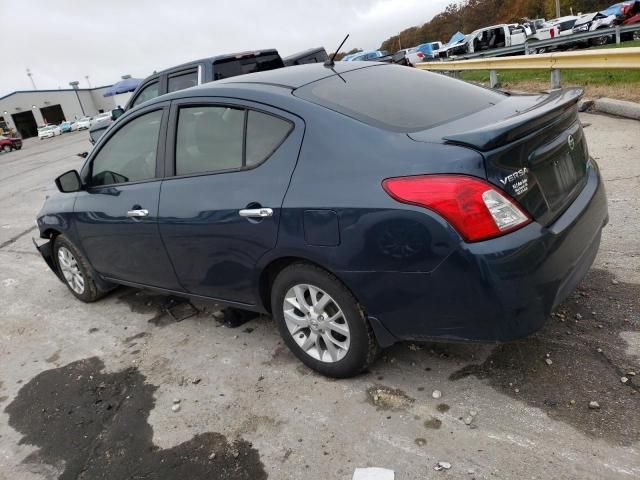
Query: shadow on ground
<point>89,424</point>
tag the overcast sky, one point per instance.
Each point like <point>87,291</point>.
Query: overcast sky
<point>62,41</point>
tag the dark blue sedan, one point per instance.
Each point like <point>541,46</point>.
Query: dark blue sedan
<point>355,213</point>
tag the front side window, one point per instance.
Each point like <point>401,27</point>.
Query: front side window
<point>182,81</point>
<point>147,93</point>
<point>214,138</point>
<point>130,154</point>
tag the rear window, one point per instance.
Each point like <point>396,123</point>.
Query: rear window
<point>399,99</point>
<point>230,67</point>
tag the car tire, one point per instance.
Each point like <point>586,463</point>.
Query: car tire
<point>75,271</point>
<point>6,148</point>
<point>338,348</point>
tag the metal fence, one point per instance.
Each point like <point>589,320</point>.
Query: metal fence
<point>600,59</point>
<point>555,43</point>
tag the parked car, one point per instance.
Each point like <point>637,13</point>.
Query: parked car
<point>49,131</point>
<point>565,24</point>
<point>8,144</point>
<point>592,22</point>
<point>101,117</point>
<point>456,45</point>
<point>507,35</point>
<point>485,219</point>
<point>192,74</point>
<point>83,123</point>
<point>424,52</point>
<point>66,127</point>
<point>365,56</point>
<point>313,55</point>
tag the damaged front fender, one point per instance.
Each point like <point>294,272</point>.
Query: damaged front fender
<point>46,250</point>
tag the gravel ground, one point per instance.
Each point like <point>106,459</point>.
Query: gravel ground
<point>140,385</point>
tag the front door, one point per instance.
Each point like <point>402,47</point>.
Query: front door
<point>116,217</point>
<point>220,207</point>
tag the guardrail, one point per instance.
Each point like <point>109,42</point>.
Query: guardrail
<point>601,59</point>
<point>562,41</point>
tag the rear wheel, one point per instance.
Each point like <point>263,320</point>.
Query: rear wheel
<point>75,270</point>
<point>321,322</point>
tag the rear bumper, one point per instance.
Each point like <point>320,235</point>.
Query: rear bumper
<point>497,290</point>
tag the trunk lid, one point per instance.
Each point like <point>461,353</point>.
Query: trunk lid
<point>533,145</point>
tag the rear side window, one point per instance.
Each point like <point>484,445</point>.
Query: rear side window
<point>265,133</point>
<point>219,138</point>
<point>399,99</point>
<point>230,67</point>
<point>147,93</point>
<point>182,81</point>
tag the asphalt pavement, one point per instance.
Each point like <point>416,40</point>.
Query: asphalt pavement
<point>140,385</point>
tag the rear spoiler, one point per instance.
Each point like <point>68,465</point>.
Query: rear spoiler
<point>520,125</point>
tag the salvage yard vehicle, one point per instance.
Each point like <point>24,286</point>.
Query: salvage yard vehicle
<point>8,144</point>
<point>466,216</point>
<point>500,36</point>
<point>192,74</point>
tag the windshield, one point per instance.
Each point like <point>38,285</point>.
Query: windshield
<point>409,106</point>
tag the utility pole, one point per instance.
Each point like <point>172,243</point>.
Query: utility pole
<point>88,82</point>
<point>74,85</point>
<point>557,8</point>
<point>30,75</point>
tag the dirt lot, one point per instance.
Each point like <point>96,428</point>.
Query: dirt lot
<point>90,391</point>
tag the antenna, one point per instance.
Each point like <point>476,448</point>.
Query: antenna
<point>330,63</point>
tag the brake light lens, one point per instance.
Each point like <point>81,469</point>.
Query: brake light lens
<point>475,208</point>
<point>420,55</point>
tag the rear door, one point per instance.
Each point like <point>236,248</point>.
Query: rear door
<point>229,164</point>
<point>116,215</point>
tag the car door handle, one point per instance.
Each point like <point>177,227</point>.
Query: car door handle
<point>256,213</point>
<point>137,213</point>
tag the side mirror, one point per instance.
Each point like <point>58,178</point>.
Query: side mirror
<point>116,113</point>
<point>69,182</point>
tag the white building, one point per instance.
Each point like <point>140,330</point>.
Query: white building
<point>25,110</point>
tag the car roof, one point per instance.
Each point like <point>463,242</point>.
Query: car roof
<point>289,77</point>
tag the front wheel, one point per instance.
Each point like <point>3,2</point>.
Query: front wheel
<point>75,270</point>
<point>321,322</point>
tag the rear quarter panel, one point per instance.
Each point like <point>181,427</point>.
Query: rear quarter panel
<point>341,167</point>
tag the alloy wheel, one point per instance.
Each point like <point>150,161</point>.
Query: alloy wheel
<point>316,323</point>
<point>71,270</point>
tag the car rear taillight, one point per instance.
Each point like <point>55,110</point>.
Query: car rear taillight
<point>420,55</point>
<point>553,32</point>
<point>475,208</point>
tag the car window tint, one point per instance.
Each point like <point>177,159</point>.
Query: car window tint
<point>433,98</point>
<point>147,93</point>
<point>265,133</point>
<point>209,139</point>
<point>230,67</point>
<point>180,82</point>
<point>130,154</point>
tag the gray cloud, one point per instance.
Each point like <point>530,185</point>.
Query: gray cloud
<point>64,41</point>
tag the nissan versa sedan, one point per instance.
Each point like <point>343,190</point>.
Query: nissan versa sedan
<point>356,219</point>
